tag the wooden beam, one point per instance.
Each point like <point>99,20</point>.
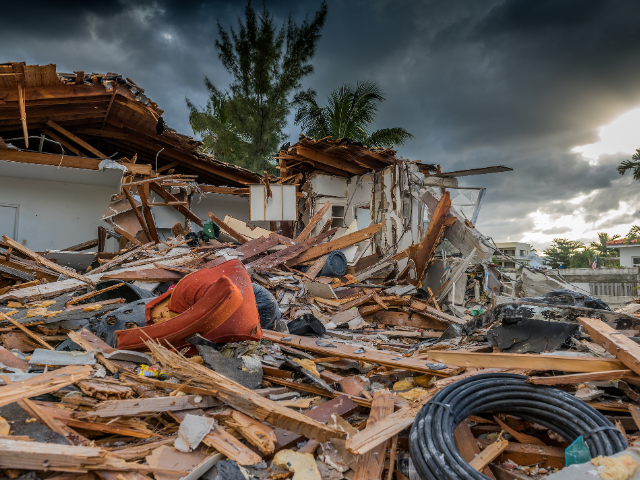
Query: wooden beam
<point>138,406</point>
<point>366,439</point>
<point>78,140</point>
<point>143,192</point>
<point>489,454</point>
<point>128,236</point>
<point>422,253</point>
<point>324,159</point>
<point>114,85</point>
<point>525,361</point>
<point>371,464</point>
<point>228,229</point>
<point>44,383</point>
<point>313,222</point>
<point>167,167</point>
<point>336,244</point>
<point>63,142</point>
<point>46,263</point>
<point>230,446</point>
<point>614,342</point>
<point>583,377</point>
<point>348,351</point>
<point>167,197</point>
<point>134,207</point>
<point>66,161</point>
<point>467,446</point>
<point>23,113</point>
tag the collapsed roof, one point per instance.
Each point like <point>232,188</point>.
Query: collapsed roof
<point>107,116</point>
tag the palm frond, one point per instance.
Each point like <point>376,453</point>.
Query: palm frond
<point>389,137</point>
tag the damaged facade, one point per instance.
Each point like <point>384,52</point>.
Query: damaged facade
<point>192,319</point>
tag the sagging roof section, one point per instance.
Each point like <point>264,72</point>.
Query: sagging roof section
<point>95,116</point>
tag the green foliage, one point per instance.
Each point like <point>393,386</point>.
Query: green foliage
<point>561,251</point>
<point>349,113</point>
<point>601,245</point>
<point>582,258</point>
<point>633,165</point>
<point>245,125</point>
<point>634,234</point>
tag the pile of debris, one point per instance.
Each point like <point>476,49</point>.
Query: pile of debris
<point>262,358</point>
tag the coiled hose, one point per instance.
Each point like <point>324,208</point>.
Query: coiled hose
<point>433,450</point>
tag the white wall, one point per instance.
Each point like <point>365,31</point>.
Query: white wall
<point>627,254</point>
<point>55,214</point>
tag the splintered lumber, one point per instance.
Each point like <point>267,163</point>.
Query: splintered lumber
<point>148,275</point>
<point>278,258</point>
<point>348,351</point>
<point>28,332</point>
<point>468,447</point>
<point>257,246</point>
<point>257,433</point>
<point>336,244</point>
<point>489,454</point>
<point>521,437</point>
<point>342,406</point>
<point>120,259</point>
<point>77,140</point>
<point>525,361</point>
<point>583,377</point>
<point>86,296</point>
<point>117,408</point>
<point>46,263</point>
<point>49,456</point>
<point>523,454</point>
<point>614,342</point>
<point>366,439</point>
<point>139,216</point>
<point>406,319</point>
<point>43,383</point>
<point>227,444</point>
<point>168,197</point>
<point>458,271</point>
<point>244,399</point>
<point>371,464</point>
<point>422,253</point>
<point>228,229</point>
<point>313,222</point>
<point>363,402</point>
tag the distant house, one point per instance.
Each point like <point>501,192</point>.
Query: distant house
<point>629,254</point>
<point>522,252</point>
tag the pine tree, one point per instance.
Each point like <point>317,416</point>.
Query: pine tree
<point>245,124</point>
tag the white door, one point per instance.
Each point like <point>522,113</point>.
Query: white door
<point>9,221</point>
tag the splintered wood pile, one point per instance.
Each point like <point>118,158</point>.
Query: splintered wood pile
<point>329,389</point>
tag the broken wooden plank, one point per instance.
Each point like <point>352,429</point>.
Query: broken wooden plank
<point>467,446</point>
<point>523,454</point>
<point>583,377</point>
<point>257,433</point>
<point>134,208</point>
<point>525,361</point>
<point>76,139</point>
<point>121,258</point>
<point>366,439</point>
<point>337,244</point>
<point>313,222</point>
<point>348,351</point>
<point>371,464</point>
<point>46,263</point>
<point>148,275</point>
<point>43,383</point>
<point>614,342</point>
<point>228,229</point>
<point>131,407</point>
<point>227,444</point>
<point>168,197</point>
<point>244,399</point>
<point>489,454</point>
<point>28,332</point>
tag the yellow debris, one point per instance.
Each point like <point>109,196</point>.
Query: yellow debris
<point>51,314</point>
<point>424,380</point>
<point>4,427</point>
<point>45,304</point>
<point>14,305</point>
<point>30,420</point>
<point>620,468</point>
<point>91,308</point>
<point>197,359</point>
<point>405,384</point>
<point>36,312</point>
<point>413,394</point>
<point>303,465</point>
<point>12,312</point>
<point>307,365</point>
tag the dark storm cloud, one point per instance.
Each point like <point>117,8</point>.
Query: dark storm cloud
<point>515,82</point>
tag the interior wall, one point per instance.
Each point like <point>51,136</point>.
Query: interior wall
<point>53,215</point>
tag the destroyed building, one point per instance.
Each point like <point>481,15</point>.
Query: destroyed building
<point>166,315</point>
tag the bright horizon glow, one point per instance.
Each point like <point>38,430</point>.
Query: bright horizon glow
<point>620,136</point>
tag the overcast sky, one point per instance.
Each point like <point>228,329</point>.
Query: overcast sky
<point>520,83</point>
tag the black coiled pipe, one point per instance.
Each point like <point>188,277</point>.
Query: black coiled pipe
<point>433,450</point>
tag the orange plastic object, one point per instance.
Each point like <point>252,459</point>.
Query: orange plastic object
<point>243,324</point>
<point>215,306</point>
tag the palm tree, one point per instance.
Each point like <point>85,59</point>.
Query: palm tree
<point>633,165</point>
<point>601,245</point>
<point>634,234</point>
<point>349,113</point>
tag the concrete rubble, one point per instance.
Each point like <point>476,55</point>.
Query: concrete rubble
<point>324,337</point>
